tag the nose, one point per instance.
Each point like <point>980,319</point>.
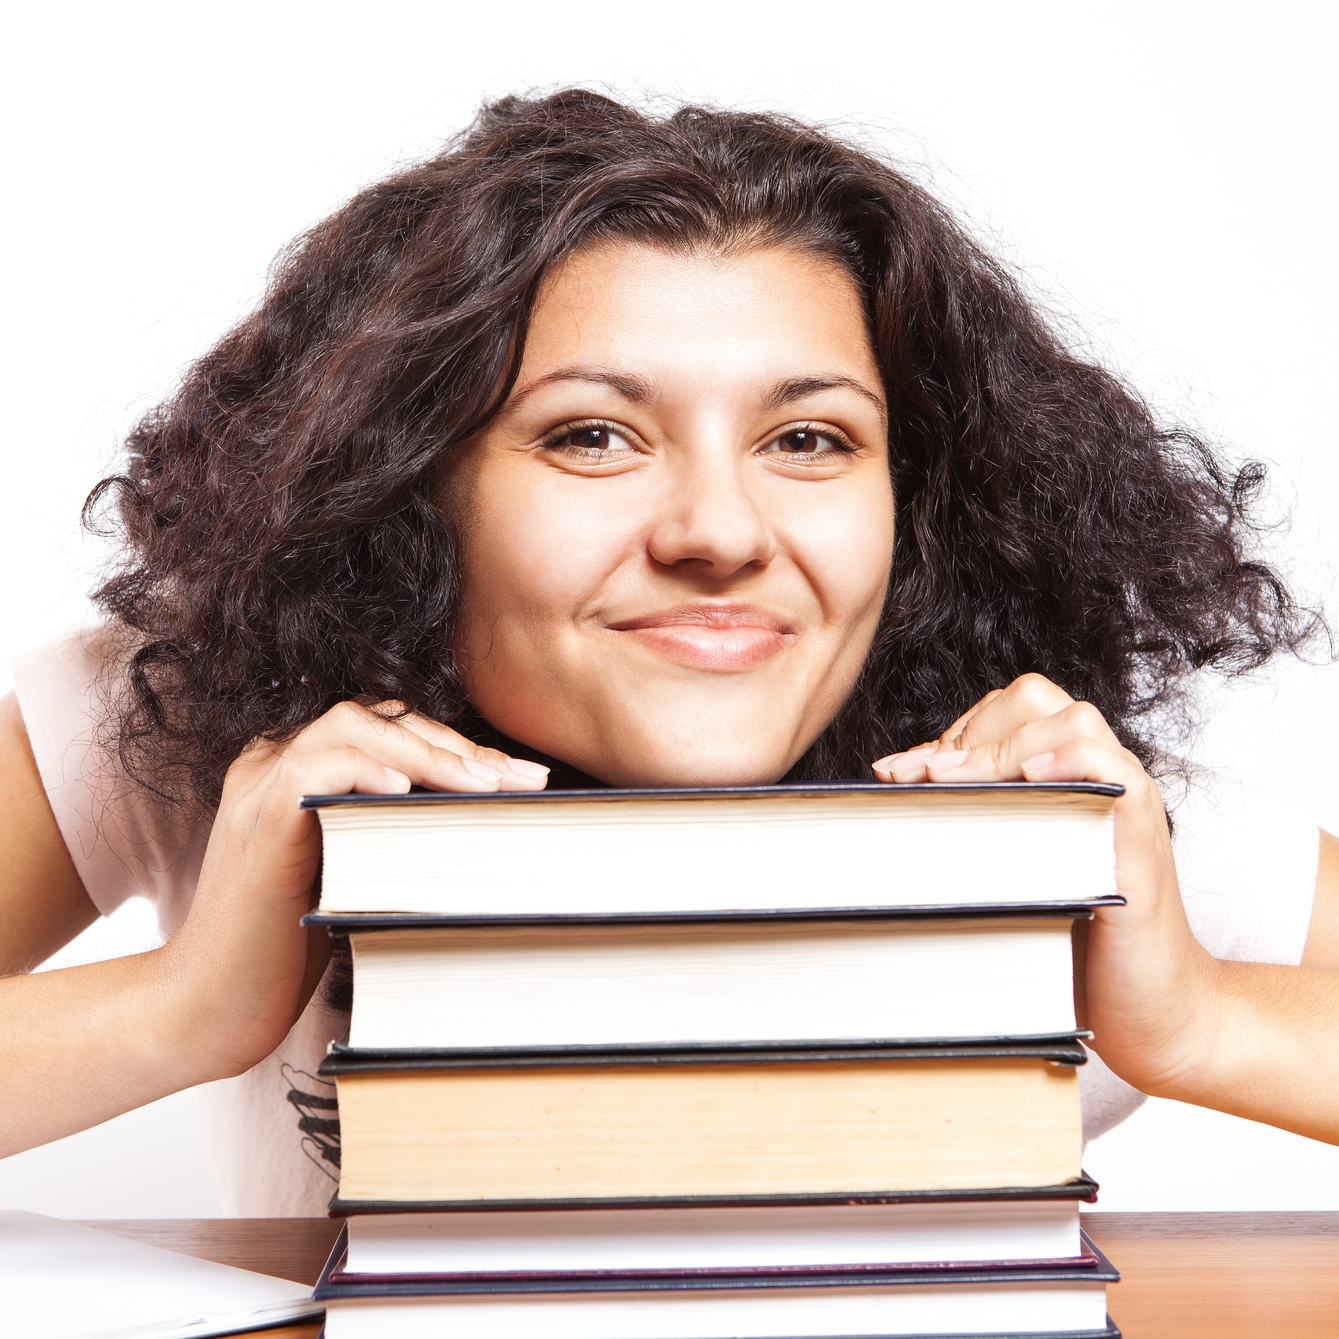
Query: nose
<point>710,523</point>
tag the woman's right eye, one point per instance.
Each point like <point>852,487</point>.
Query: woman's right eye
<point>590,441</point>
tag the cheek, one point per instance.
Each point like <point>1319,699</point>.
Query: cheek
<point>845,547</point>
<point>536,555</point>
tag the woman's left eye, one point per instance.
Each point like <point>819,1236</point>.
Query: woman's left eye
<point>800,442</point>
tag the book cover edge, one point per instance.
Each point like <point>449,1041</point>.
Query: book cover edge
<point>1082,1188</point>
<point>365,922</point>
<point>1110,790</point>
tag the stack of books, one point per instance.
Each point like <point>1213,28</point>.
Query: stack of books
<point>775,1061</point>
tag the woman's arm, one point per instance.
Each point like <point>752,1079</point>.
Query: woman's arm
<point>1271,1050</point>
<point>43,904</point>
<point>1322,939</point>
<point>82,1044</point>
<point>1252,1039</point>
<point>90,1025</point>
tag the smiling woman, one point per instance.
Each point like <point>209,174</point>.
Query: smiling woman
<point>678,530</point>
<point>603,448</point>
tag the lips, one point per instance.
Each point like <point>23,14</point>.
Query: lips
<point>710,636</point>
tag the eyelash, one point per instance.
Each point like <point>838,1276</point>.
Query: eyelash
<point>841,445</point>
<point>552,441</point>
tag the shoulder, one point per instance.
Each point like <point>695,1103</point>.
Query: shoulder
<point>124,840</point>
<point>68,684</point>
<point>1246,857</point>
<point>66,694</point>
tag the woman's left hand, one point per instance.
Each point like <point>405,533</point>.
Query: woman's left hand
<point>1147,985</point>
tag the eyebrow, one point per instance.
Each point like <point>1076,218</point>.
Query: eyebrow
<point>628,385</point>
<point>797,388</point>
<point>641,391</point>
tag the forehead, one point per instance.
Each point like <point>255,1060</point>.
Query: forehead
<point>763,309</point>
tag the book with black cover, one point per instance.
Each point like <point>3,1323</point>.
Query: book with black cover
<point>744,981</point>
<point>945,1235</point>
<point>1046,1303</point>
<point>704,1126</point>
<point>661,853</point>
<point>1092,1267</point>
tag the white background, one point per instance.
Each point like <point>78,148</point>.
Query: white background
<point>1163,175</point>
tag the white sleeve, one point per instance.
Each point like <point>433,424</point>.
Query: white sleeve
<point>124,841</point>
<point>1246,858</point>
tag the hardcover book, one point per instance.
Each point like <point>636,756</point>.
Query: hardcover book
<point>739,981</point>
<point>685,1126</point>
<point>534,1246</point>
<point>1067,1302</point>
<point>812,848</point>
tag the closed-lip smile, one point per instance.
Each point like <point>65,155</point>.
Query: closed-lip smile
<point>720,635</point>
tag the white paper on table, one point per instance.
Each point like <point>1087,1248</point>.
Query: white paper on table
<point>61,1280</point>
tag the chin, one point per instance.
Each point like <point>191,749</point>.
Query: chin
<point>688,748</point>
<point>676,766</point>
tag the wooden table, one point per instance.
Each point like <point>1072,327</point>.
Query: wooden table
<point>1185,1275</point>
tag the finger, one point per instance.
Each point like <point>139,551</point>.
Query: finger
<point>283,838</point>
<point>998,714</point>
<point>1087,759</point>
<point>905,767</point>
<point>517,773</point>
<point>392,744</point>
<point>950,736</point>
<point>1028,698</point>
<point>1002,759</point>
<point>343,770</point>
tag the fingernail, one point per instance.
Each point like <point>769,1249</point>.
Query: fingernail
<point>399,781</point>
<point>1036,764</point>
<point>895,762</point>
<point>481,769</point>
<point>947,759</point>
<point>524,767</point>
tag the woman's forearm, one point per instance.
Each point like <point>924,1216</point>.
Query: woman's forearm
<point>1267,1048</point>
<point>83,1044</point>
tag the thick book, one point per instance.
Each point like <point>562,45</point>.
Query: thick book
<point>1065,1302</point>
<point>732,982</point>
<point>807,849</point>
<point>521,1246</point>
<point>684,1126</point>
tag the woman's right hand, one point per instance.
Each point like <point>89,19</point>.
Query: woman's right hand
<point>242,968</point>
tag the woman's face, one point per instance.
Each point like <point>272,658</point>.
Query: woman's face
<point>678,531</point>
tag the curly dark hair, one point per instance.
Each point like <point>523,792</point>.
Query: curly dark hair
<point>285,544</point>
